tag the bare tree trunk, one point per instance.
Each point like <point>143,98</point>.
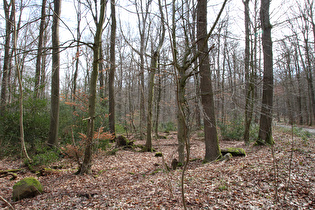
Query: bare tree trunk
<point>111,79</point>
<point>247,74</point>
<point>154,64</point>
<point>77,56</point>
<point>54,114</point>
<point>40,48</point>
<point>17,65</point>
<point>211,138</point>
<point>6,59</point>
<point>86,166</point>
<point>298,77</point>
<point>265,128</point>
<point>158,101</point>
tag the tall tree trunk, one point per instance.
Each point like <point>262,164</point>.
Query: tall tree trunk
<point>211,138</point>
<point>40,48</point>
<point>77,55</point>
<point>54,113</point>
<point>182,128</point>
<point>158,102</point>
<point>310,80</point>
<point>148,143</point>
<point>111,79</point>
<point>154,64</point>
<point>17,65</point>
<point>265,128</point>
<point>299,85</point>
<point>87,161</point>
<point>248,76</point>
<point>6,59</point>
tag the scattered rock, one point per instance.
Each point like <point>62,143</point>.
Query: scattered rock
<point>27,188</point>
<point>226,157</point>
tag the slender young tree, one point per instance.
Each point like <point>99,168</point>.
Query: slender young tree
<point>17,66</point>
<point>111,79</point>
<point>249,88</point>
<point>40,49</point>
<point>265,127</point>
<point>85,167</point>
<point>54,113</point>
<point>77,56</point>
<point>143,28</point>
<point>154,65</point>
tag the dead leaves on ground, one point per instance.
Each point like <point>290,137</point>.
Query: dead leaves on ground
<point>134,180</point>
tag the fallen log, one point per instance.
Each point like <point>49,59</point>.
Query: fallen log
<point>9,172</point>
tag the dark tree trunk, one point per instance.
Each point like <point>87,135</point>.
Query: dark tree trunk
<point>111,79</point>
<point>54,113</point>
<point>211,138</point>
<point>7,57</point>
<point>248,76</point>
<point>265,128</point>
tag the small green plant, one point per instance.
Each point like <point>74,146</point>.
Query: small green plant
<point>232,130</point>
<point>167,127</point>
<point>120,129</point>
<point>200,134</point>
<point>305,135</point>
<point>223,185</point>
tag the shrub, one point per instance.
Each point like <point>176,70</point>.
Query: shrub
<point>234,130</point>
<point>167,127</point>
<point>36,125</point>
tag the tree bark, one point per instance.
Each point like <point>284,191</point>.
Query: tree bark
<point>248,77</point>
<point>111,79</point>
<point>211,138</point>
<point>54,113</point>
<point>154,65</point>
<point>265,128</point>
<point>6,59</point>
<point>40,49</point>
<point>87,161</point>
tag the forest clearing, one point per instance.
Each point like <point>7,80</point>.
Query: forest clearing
<point>138,180</point>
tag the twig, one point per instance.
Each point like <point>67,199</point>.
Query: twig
<point>9,204</point>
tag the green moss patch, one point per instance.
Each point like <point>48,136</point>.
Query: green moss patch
<point>234,151</point>
<point>26,188</point>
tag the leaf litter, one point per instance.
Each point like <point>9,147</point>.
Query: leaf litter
<point>137,180</point>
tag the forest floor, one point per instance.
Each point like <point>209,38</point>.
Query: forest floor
<point>282,179</point>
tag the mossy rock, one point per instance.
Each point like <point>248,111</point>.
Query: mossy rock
<point>234,151</point>
<point>158,154</point>
<point>26,188</point>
